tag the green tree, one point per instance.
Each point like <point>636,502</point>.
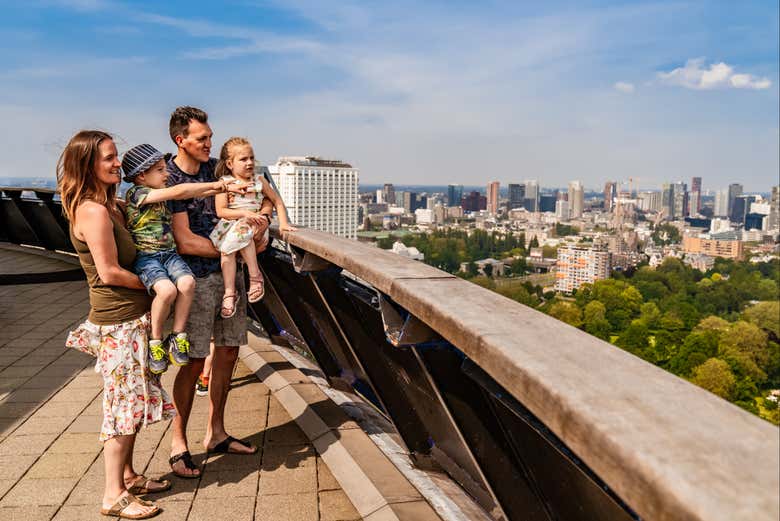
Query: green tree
<point>534,243</point>
<point>519,266</point>
<point>471,269</point>
<point>488,270</point>
<point>635,339</point>
<point>765,315</point>
<point>595,321</point>
<point>385,242</point>
<point>744,346</point>
<point>666,234</point>
<point>715,376</point>
<point>567,312</point>
<point>697,347</point>
<point>649,314</point>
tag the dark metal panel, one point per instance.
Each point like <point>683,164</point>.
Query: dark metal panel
<point>16,227</point>
<point>47,229</point>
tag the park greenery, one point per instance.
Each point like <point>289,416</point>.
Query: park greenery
<point>718,329</point>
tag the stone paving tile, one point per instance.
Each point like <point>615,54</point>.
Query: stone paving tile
<point>287,471</point>
<point>74,443</point>
<point>13,467</point>
<point>237,509</point>
<point>51,425</point>
<point>298,507</point>
<point>37,492</point>
<point>61,465</point>
<point>325,479</point>
<point>87,512</point>
<point>336,506</point>
<point>16,445</point>
<point>27,513</point>
<point>231,483</point>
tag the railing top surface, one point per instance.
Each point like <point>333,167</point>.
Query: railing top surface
<point>670,449</point>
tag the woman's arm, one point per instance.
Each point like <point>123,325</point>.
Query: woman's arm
<point>190,190</point>
<point>99,236</point>
<point>281,209</point>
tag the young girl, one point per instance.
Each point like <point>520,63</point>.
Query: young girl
<point>235,231</point>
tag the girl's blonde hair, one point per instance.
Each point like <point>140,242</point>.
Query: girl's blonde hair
<point>222,168</point>
<point>76,177</point>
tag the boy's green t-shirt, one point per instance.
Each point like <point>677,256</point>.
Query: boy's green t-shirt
<point>149,224</point>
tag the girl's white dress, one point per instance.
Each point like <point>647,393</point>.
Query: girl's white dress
<point>232,235</point>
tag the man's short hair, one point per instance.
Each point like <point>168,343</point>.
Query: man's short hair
<point>180,120</point>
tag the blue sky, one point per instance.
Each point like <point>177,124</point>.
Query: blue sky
<point>410,92</point>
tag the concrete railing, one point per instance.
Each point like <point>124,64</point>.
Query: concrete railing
<point>667,448</point>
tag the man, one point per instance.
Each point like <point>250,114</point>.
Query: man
<point>193,221</point>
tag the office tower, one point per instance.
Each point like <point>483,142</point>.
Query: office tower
<point>388,193</point>
<point>474,202</point>
<point>492,197</point>
<point>695,197</point>
<point>562,209</point>
<point>516,195</point>
<point>674,200</point>
<point>531,202</point>
<point>755,221</point>
<point>454,195</point>
<point>735,190</point>
<point>576,199</point>
<point>413,201</point>
<point>319,193</point>
<point>721,208</point>
<point>380,196</point>
<point>649,201</point>
<point>610,192</point>
<point>578,265</point>
<point>399,199</point>
<point>741,208</point>
<point>774,209</point>
<point>547,203</point>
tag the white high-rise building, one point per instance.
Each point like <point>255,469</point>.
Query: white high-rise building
<point>576,199</point>
<point>578,265</point>
<point>319,193</point>
<point>562,210</point>
<point>721,203</point>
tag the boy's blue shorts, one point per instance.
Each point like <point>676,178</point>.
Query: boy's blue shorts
<point>154,266</point>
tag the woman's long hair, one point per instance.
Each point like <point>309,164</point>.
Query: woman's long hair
<point>76,177</point>
<point>224,155</point>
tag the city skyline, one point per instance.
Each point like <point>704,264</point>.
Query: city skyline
<point>659,92</point>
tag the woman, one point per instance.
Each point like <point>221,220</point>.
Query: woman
<point>116,330</point>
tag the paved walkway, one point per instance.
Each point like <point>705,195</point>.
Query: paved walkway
<point>51,463</point>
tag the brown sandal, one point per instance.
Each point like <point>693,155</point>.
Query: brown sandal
<point>125,501</point>
<point>256,290</point>
<point>141,486</point>
<point>232,313</point>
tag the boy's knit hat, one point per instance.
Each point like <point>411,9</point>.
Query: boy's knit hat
<point>138,160</point>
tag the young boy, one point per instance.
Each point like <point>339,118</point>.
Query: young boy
<point>157,264</point>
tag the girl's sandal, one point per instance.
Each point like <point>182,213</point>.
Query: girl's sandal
<point>256,289</point>
<point>231,311</point>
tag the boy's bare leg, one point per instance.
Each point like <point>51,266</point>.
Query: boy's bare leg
<point>164,296</point>
<point>186,289</point>
<point>223,361</point>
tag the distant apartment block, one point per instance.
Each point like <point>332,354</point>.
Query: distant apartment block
<point>649,201</point>
<point>319,193</point>
<point>729,249</point>
<point>578,265</point>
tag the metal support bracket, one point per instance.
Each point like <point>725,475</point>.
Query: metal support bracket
<point>403,332</point>
<point>305,262</point>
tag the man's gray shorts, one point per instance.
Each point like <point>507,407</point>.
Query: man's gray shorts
<point>205,323</point>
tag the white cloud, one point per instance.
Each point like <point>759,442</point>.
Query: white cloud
<point>623,86</point>
<point>717,76</point>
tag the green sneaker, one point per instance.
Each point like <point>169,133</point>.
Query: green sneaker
<point>179,349</point>
<point>158,362</point>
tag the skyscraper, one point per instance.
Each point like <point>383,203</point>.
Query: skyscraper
<point>741,208</point>
<point>516,195</point>
<point>610,192</point>
<point>576,199</point>
<point>319,193</point>
<point>531,202</point>
<point>492,197</point>
<point>674,200</point>
<point>721,208</point>
<point>454,195</point>
<point>695,198</point>
<point>774,209</point>
<point>735,190</point>
<point>388,193</point>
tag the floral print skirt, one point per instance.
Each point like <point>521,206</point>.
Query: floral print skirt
<point>132,396</point>
<point>230,236</point>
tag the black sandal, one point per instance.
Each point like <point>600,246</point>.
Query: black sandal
<point>186,457</point>
<point>223,447</point>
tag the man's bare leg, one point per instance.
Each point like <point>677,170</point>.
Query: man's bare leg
<point>183,395</point>
<point>222,364</point>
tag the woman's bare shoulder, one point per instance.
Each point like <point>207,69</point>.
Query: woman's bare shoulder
<point>91,210</point>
